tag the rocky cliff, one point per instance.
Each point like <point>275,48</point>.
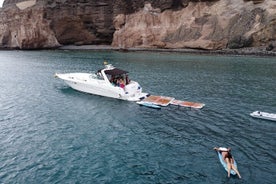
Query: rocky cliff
<point>23,26</point>
<point>200,24</point>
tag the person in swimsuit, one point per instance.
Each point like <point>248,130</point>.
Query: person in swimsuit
<point>228,158</point>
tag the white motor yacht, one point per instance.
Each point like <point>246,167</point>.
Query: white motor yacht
<point>263,115</point>
<point>109,81</point>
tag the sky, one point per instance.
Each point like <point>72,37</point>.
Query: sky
<point>1,3</point>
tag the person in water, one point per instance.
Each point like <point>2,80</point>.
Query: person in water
<point>228,158</point>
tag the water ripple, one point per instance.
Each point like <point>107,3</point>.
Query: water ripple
<point>51,133</point>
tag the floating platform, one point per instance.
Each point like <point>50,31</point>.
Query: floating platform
<point>159,100</point>
<point>165,101</point>
<point>181,103</point>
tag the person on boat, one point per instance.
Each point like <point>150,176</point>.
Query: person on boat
<point>260,113</point>
<point>228,158</point>
<point>127,80</point>
<point>113,81</point>
<point>121,83</point>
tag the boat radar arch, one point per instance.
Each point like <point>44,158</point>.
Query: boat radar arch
<point>109,66</point>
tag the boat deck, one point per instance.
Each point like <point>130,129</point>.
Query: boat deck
<point>188,104</point>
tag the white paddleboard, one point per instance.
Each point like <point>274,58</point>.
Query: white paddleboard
<point>148,104</point>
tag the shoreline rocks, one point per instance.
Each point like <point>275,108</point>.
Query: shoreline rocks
<point>243,52</point>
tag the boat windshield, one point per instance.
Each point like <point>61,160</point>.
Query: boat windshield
<point>99,76</point>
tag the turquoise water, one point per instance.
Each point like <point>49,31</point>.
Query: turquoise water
<point>50,133</point>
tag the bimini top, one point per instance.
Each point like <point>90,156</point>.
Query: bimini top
<point>110,70</point>
<point>115,71</point>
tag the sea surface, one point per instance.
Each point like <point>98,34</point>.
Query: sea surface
<point>50,133</point>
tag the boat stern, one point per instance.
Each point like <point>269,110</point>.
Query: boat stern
<point>133,92</point>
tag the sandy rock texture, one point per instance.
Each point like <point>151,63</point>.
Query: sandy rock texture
<point>200,25</point>
<point>23,26</point>
<point>197,24</point>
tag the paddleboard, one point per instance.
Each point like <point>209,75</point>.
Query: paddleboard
<point>148,104</point>
<point>223,163</point>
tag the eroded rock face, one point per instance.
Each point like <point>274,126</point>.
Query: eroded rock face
<point>25,28</point>
<point>66,21</point>
<point>202,24</point>
<point>256,1</point>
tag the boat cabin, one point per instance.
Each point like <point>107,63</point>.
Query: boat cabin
<point>115,76</point>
